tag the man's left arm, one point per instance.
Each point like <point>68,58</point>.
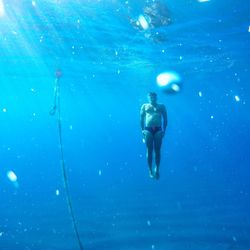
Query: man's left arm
<point>165,118</point>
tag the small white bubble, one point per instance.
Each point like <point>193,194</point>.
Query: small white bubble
<point>34,114</point>
<point>4,110</point>
<point>1,234</point>
<point>234,238</point>
<point>32,90</point>
<point>78,21</point>
<point>57,192</point>
<point>249,28</point>
<point>237,99</point>
<point>181,57</point>
<point>149,223</point>
<point>11,176</point>
<point>100,172</point>
<point>33,3</point>
<point>70,127</point>
<point>163,50</point>
<point>116,53</point>
<point>212,117</point>
<point>200,94</point>
<point>118,71</point>
<point>175,87</point>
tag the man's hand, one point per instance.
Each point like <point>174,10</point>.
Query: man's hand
<point>143,135</point>
<point>143,132</point>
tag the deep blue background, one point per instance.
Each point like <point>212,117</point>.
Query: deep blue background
<point>202,199</point>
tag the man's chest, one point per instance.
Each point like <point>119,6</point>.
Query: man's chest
<point>150,109</point>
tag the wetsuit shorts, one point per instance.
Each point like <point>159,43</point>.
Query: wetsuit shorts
<point>153,130</point>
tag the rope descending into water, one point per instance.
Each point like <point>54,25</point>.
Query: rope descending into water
<point>57,107</point>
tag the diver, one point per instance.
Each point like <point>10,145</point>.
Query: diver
<point>157,14</point>
<point>153,131</point>
<point>152,20</point>
<point>154,15</point>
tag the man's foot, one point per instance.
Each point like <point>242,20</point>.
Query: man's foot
<point>151,174</point>
<point>157,175</point>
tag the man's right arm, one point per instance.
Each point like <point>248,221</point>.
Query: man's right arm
<point>142,114</point>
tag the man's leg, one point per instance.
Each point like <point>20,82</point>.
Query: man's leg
<point>157,149</point>
<point>149,144</point>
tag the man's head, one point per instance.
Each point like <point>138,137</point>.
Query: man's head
<point>152,97</point>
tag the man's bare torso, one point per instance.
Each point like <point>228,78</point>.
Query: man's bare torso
<point>153,114</point>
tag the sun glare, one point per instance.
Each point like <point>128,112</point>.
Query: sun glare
<point>1,8</point>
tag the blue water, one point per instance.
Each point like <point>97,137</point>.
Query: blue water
<point>109,64</point>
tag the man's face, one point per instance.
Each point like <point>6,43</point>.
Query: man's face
<point>152,99</point>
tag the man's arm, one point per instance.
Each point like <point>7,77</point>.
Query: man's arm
<point>142,114</point>
<point>165,118</point>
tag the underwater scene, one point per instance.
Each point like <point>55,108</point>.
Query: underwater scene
<point>124,125</point>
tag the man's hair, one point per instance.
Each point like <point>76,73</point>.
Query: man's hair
<point>152,94</point>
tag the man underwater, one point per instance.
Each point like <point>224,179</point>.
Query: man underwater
<point>152,114</point>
